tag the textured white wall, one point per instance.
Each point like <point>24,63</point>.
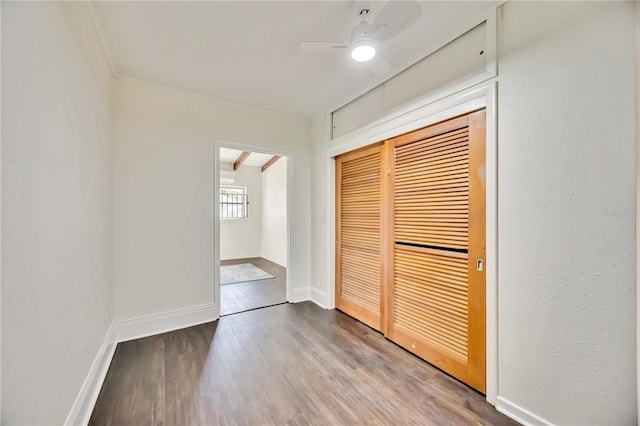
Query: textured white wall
<point>567,245</point>
<point>56,207</point>
<point>242,238</point>
<point>163,168</point>
<point>274,212</point>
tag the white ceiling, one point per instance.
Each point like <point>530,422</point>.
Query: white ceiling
<point>248,51</point>
<point>256,159</point>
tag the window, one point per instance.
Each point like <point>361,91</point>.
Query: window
<point>234,202</point>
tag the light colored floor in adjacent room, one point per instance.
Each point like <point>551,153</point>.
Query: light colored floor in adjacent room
<point>240,297</point>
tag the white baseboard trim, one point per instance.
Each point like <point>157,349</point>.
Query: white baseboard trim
<point>319,297</point>
<point>85,401</point>
<point>300,294</point>
<point>149,325</point>
<point>519,414</point>
<point>121,331</point>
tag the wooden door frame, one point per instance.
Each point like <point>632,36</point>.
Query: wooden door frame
<point>412,118</point>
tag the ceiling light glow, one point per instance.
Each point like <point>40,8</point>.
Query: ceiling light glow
<point>363,52</point>
<point>363,42</point>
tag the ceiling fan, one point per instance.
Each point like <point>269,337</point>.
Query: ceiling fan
<point>394,18</point>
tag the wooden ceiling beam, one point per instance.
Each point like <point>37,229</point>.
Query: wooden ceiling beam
<point>268,164</point>
<point>240,160</point>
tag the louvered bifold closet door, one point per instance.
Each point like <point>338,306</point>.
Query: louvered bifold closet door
<point>437,297</point>
<point>358,236</point>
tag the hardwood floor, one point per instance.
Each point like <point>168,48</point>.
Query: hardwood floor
<point>242,297</point>
<point>294,364</point>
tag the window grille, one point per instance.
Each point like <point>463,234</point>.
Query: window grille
<point>234,202</point>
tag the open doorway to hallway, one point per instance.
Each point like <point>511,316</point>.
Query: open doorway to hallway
<point>253,202</point>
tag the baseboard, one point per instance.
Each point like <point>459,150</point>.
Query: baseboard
<point>519,414</point>
<point>300,294</point>
<point>149,325</point>
<point>85,401</point>
<point>319,297</point>
<point>273,261</point>
<point>121,331</point>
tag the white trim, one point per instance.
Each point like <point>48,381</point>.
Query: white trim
<point>300,294</point>
<point>216,229</point>
<point>319,297</point>
<point>149,325</point>
<point>331,232</point>
<point>1,352</point>
<point>412,118</point>
<point>491,253</point>
<point>82,407</point>
<point>122,331</point>
<point>422,113</point>
<point>216,208</point>
<point>519,414</point>
<point>638,205</point>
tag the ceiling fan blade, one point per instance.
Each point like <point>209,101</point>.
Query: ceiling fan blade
<point>318,46</point>
<point>395,17</point>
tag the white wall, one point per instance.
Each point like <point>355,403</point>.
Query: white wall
<point>566,211</point>
<point>274,212</point>
<point>56,207</point>
<point>163,168</point>
<point>320,272</point>
<point>242,238</point>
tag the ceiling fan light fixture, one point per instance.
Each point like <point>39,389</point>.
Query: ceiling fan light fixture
<point>363,52</point>
<point>363,44</point>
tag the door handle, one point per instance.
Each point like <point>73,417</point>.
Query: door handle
<point>479,265</point>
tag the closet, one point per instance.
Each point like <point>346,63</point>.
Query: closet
<point>410,242</point>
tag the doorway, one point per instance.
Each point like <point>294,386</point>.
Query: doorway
<point>252,239</point>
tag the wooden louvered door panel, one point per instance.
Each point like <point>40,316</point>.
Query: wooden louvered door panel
<point>358,235</point>
<point>437,299</point>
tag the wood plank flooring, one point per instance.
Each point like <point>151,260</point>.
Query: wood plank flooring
<point>294,364</point>
<point>240,297</point>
